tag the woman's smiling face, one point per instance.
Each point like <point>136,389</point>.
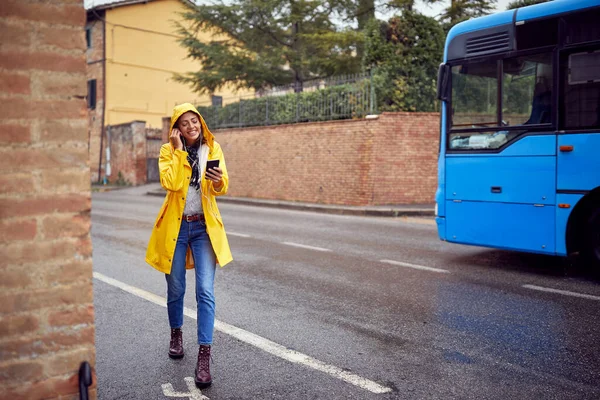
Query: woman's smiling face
<point>190,127</point>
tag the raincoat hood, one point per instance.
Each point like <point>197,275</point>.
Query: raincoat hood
<point>181,109</point>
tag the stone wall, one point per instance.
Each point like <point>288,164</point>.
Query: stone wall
<point>46,304</point>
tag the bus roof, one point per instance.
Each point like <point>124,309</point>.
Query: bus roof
<point>521,14</point>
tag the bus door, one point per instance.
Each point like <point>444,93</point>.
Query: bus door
<point>578,140</point>
<point>578,146</point>
<point>501,154</point>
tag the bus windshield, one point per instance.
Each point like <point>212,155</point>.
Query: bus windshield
<point>525,84</point>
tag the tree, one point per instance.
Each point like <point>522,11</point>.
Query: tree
<point>259,44</point>
<point>461,10</point>
<point>365,11</point>
<point>523,3</point>
<point>405,53</point>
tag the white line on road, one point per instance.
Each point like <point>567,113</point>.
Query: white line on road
<point>563,292</point>
<point>305,246</point>
<point>257,341</point>
<point>415,266</point>
<point>238,234</point>
<point>194,394</point>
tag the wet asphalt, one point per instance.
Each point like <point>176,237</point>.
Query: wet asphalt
<point>468,330</point>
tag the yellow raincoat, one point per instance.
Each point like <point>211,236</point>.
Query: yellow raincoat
<point>175,174</point>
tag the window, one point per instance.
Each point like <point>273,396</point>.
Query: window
<point>527,90</point>
<point>88,37</point>
<point>474,95</point>
<point>91,95</point>
<point>580,103</point>
<point>582,27</point>
<point>537,33</point>
<point>526,94</point>
<point>217,101</point>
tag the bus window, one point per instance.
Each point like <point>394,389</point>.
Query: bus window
<point>527,90</point>
<point>474,95</point>
<point>581,83</point>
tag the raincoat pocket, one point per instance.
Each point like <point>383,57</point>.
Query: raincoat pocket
<point>161,215</point>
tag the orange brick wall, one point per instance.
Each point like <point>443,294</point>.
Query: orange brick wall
<point>46,305</point>
<point>127,143</point>
<point>388,160</point>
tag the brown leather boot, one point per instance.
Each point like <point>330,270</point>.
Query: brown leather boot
<point>202,375</point>
<point>176,344</point>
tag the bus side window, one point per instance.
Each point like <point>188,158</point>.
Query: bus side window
<point>581,100</point>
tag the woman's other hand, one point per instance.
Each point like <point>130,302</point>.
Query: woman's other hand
<point>175,139</point>
<point>215,175</point>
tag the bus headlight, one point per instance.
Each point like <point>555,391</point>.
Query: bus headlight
<point>436,209</point>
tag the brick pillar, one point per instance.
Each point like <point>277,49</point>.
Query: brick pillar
<point>139,152</point>
<point>46,304</point>
<point>166,124</point>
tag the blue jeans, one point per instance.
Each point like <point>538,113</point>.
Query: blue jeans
<point>193,234</point>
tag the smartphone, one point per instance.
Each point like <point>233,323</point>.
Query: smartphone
<point>212,164</point>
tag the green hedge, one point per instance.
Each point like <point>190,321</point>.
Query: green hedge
<point>333,103</point>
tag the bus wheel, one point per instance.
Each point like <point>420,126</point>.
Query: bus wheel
<point>592,240</point>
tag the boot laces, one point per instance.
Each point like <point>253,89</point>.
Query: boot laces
<point>176,338</point>
<point>204,357</point>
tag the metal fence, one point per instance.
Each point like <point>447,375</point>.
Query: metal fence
<point>350,96</point>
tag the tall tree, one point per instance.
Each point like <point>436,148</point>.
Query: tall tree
<point>405,52</point>
<point>461,10</point>
<point>258,44</point>
<point>365,11</point>
<point>523,3</point>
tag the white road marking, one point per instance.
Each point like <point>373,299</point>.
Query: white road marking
<point>194,394</point>
<point>305,246</point>
<point>238,234</point>
<point>415,266</point>
<point>563,292</point>
<point>257,341</point>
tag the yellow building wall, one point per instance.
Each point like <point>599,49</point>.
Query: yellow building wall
<point>142,54</point>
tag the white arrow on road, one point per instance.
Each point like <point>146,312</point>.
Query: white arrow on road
<point>194,394</point>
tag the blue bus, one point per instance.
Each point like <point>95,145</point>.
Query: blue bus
<point>519,164</point>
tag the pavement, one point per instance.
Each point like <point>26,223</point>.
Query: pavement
<point>397,210</point>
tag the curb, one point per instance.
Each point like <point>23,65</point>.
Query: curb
<point>340,210</point>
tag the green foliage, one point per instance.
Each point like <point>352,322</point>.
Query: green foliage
<point>406,53</point>
<point>523,3</point>
<point>332,103</point>
<point>266,43</point>
<point>462,10</point>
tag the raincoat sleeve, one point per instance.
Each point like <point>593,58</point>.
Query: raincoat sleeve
<point>170,165</point>
<point>218,153</point>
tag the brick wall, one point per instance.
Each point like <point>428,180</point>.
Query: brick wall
<point>129,151</point>
<point>127,143</point>
<point>388,160</point>
<point>46,305</point>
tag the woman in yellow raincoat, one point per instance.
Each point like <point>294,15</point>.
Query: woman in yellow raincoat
<point>188,232</point>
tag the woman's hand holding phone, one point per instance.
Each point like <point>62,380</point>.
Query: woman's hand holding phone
<point>175,139</point>
<point>215,175</point>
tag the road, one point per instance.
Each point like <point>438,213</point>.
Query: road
<point>321,306</point>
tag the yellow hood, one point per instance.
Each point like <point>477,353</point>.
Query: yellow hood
<point>181,109</point>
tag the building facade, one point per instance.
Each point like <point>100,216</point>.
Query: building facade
<point>132,55</point>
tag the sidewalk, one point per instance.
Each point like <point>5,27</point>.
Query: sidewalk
<point>411,210</point>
